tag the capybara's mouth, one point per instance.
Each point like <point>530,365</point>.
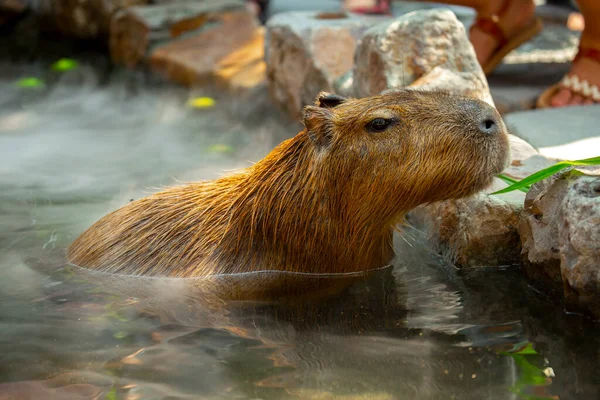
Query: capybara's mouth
<point>501,164</point>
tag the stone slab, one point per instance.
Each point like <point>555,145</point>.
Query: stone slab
<point>136,31</point>
<point>563,133</point>
<point>228,54</point>
<point>10,10</point>
<point>81,19</point>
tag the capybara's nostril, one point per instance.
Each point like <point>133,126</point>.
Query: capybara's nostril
<point>489,125</point>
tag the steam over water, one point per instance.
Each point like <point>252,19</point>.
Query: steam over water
<point>90,141</point>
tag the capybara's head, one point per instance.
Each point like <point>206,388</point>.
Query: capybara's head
<point>408,147</point>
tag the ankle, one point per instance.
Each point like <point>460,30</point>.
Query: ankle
<point>519,10</point>
<point>589,41</point>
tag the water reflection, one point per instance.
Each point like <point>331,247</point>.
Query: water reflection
<point>159,338</point>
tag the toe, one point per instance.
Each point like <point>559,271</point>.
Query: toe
<point>561,98</point>
<point>576,100</point>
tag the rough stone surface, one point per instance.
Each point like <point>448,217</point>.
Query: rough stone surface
<point>216,42</point>
<point>82,19</point>
<point>539,232</point>
<point>430,47</point>
<point>477,231</point>
<point>482,230</point>
<point>136,31</point>
<point>11,9</point>
<point>229,51</point>
<point>560,235</point>
<point>307,51</point>
<point>462,83</point>
<point>579,238</point>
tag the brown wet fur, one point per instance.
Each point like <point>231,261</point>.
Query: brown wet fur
<point>324,201</point>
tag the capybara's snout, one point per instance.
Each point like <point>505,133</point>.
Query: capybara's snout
<point>481,118</point>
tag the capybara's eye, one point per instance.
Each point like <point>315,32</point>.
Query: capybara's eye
<point>379,124</point>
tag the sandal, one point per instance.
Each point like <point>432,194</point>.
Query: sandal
<point>490,26</point>
<point>573,82</point>
<point>381,7</point>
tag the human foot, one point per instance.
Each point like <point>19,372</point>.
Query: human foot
<point>368,6</point>
<point>497,22</point>
<point>572,91</point>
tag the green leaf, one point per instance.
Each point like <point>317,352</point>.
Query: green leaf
<point>112,395</point>
<point>547,172</point>
<point>65,64</point>
<point>527,349</point>
<point>30,82</point>
<point>120,335</point>
<point>512,181</point>
<point>220,148</point>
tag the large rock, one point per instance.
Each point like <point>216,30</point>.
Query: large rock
<point>560,233</point>
<point>136,31</point>
<point>83,19</point>
<point>482,230</point>
<point>422,48</point>
<point>11,9</point>
<point>307,51</point>
<point>217,42</point>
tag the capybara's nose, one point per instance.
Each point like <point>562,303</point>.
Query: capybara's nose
<point>483,117</point>
<point>488,124</point>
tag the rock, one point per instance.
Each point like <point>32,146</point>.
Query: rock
<point>423,48</point>
<point>245,67</point>
<point>539,232</point>
<point>226,51</point>
<point>89,19</point>
<point>192,43</point>
<point>136,31</point>
<point>482,230</point>
<point>461,83</point>
<point>560,235</point>
<point>476,231</point>
<point>12,9</point>
<point>579,239</point>
<point>307,51</point>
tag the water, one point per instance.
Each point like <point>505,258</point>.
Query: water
<point>94,139</point>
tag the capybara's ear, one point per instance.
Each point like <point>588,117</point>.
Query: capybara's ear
<point>317,121</point>
<point>329,100</point>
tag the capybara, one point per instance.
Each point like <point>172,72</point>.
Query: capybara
<point>325,201</point>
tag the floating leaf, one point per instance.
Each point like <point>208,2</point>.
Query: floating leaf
<point>120,335</point>
<point>112,395</point>
<point>30,82</point>
<point>547,172</point>
<point>202,102</point>
<point>65,64</point>
<point>220,148</point>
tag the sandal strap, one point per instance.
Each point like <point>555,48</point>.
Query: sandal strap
<point>490,25</point>
<point>588,52</point>
<point>581,87</point>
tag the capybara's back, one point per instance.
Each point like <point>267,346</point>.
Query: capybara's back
<point>325,201</point>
